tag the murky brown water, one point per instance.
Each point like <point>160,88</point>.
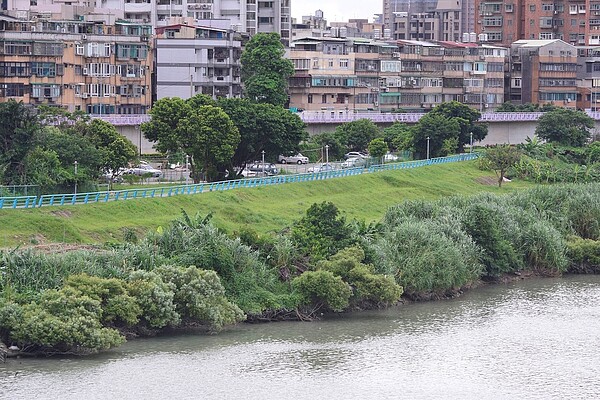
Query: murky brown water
<point>538,339</point>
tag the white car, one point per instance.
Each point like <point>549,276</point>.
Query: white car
<point>321,168</point>
<point>297,159</point>
<point>353,162</point>
<point>389,157</point>
<point>355,154</point>
<point>144,169</point>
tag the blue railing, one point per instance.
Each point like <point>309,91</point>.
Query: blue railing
<point>104,197</point>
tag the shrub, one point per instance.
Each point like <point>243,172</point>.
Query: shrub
<point>117,305</point>
<point>200,296</point>
<point>323,289</point>
<point>544,248</point>
<point>64,321</point>
<point>584,255</point>
<point>155,299</point>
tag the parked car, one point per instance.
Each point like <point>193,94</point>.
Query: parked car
<point>389,157</point>
<point>354,162</point>
<point>297,159</point>
<point>322,168</point>
<point>109,176</point>
<point>355,154</point>
<point>143,169</point>
<point>269,169</point>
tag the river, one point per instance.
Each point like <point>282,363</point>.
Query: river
<point>535,339</point>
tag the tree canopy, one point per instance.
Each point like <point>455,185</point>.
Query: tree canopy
<point>263,127</point>
<point>565,126</point>
<point>501,158</point>
<point>265,71</point>
<point>439,129</point>
<point>466,117</point>
<point>357,135</point>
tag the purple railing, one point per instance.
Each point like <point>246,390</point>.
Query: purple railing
<point>338,117</point>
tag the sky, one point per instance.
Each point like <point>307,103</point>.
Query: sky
<point>337,10</point>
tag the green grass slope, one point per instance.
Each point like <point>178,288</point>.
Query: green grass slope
<point>266,209</point>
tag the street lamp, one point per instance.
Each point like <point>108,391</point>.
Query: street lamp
<point>327,153</point>
<point>187,168</point>
<point>75,163</point>
<point>428,147</point>
<point>263,162</point>
<point>139,131</point>
<point>471,148</point>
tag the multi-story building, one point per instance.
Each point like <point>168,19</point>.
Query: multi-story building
<point>543,72</point>
<point>574,21</point>
<point>250,16</point>
<point>356,74</point>
<point>588,77</point>
<point>194,59</point>
<point>77,65</point>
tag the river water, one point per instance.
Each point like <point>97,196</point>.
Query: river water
<point>536,339</point>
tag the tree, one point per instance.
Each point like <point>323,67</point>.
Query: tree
<point>115,150</point>
<point>357,135</point>
<point>438,129</point>
<point>265,71</point>
<point>19,134</point>
<point>466,117</point>
<point>398,136</point>
<point>196,127</point>
<point>263,127</point>
<point>565,126</point>
<point>210,137</point>
<point>501,158</point>
<point>378,148</point>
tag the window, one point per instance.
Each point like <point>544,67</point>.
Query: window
<point>17,48</point>
<point>45,91</point>
<point>15,69</point>
<point>48,49</point>
<point>301,63</point>
<point>344,63</point>
<point>547,7</point>
<point>79,49</point>
<point>12,90</point>
<point>43,69</point>
<point>532,7</point>
<point>324,99</point>
<point>310,99</point>
<point>508,8</point>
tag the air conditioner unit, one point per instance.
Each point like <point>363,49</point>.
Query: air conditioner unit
<point>396,55</point>
<point>144,38</point>
<point>84,95</point>
<point>84,37</point>
<point>482,57</point>
<point>385,90</point>
<point>84,71</point>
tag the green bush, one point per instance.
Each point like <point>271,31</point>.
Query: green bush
<point>544,248</point>
<point>117,305</point>
<point>584,255</point>
<point>64,321</point>
<point>323,290</point>
<point>199,296</point>
<point>155,299</point>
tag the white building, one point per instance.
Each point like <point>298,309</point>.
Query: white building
<point>193,59</point>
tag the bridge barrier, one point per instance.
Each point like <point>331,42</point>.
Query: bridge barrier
<point>47,200</point>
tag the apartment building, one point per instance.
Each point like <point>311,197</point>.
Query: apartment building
<point>195,59</point>
<point>77,65</point>
<point>337,74</point>
<point>575,22</point>
<point>250,16</point>
<point>588,77</point>
<point>543,71</point>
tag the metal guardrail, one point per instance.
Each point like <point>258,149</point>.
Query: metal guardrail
<point>342,116</point>
<point>46,200</point>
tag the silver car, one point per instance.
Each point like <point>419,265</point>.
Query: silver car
<point>297,159</point>
<point>144,169</point>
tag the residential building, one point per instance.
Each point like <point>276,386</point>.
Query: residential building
<point>543,72</point>
<point>588,77</point>
<point>77,65</point>
<point>195,59</point>
<point>574,21</point>
<point>351,74</point>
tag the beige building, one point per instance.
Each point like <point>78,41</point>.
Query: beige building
<point>352,74</point>
<point>77,65</point>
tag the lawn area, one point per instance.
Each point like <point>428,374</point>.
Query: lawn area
<point>266,209</point>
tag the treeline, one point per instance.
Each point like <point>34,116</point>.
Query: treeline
<point>192,275</point>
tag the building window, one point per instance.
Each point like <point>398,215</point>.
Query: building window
<point>532,7</point>
<point>310,99</point>
<point>324,99</point>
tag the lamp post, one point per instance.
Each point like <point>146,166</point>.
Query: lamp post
<point>428,147</point>
<point>471,147</point>
<point>263,162</point>
<point>75,163</point>
<point>139,131</point>
<point>327,153</point>
<point>187,168</point>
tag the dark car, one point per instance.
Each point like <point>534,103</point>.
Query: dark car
<point>268,168</point>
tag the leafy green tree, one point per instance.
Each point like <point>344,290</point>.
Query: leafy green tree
<point>204,132</point>
<point>210,137</point>
<point>565,126</point>
<point>19,134</point>
<point>398,136</point>
<point>357,135</point>
<point>466,117</point>
<point>438,129</point>
<point>322,289</point>
<point>273,129</point>
<point>115,150</point>
<point>43,168</point>
<point>336,149</point>
<point>501,158</point>
<point>378,148</point>
<point>321,232</point>
<point>265,71</point>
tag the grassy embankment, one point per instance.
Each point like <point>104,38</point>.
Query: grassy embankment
<point>266,209</point>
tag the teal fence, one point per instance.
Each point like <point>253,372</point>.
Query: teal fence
<point>103,197</point>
